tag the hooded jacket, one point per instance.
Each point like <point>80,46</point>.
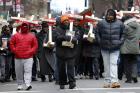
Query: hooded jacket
<point>23,44</point>
<point>132,36</point>
<point>110,32</point>
<point>60,36</point>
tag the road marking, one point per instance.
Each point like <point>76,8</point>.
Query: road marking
<point>121,92</point>
<point>21,92</point>
<point>128,88</point>
<point>8,84</point>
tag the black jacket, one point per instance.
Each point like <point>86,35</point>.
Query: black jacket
<point>91,49</point>
<point>6,51</point>
<point>60,36</point>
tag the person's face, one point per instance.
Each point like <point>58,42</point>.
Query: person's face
<point>45,27</point>
<point>32,28</point>
<point>110,17</point>
<point>66,23</point>
<point>7,30</point>
<point>24,28</point>
<point>76,23</point>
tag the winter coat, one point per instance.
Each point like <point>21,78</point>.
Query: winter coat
<point>45,55</point>
<point>6,51</point>
<point>40,38</point>
<point>110,32</point>
<point>23,45</point>
<point>63,51</point>
<point>132,36</point>
<point>79,46</point>
<point>110,35</point>
<point>91,49</point>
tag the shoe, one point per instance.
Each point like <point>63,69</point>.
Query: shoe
<point>81,76</point>
<point>72,85</point>
<point>2,81</point>
<point>90,77</point>
<point>20,87</point>
<point>128,81</point>
<point>120,77</point>
<point>43,79</point>
<point>135,80</point>
<point>29,88</point>
<point>14,78</point>
<point>50,78</point>
<point>96,78</point>
<point>106,86</point>
<point>86,77</point>
<point>101,76</point>
<point>115,85</point>
<point>62,86</point>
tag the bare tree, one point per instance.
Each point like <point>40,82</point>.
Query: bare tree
<point>36,7</point>
<point>100,6</point>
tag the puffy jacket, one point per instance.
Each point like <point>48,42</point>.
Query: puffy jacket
<point>110,35</point>
<point>110,32</point>
<point>23,45</point>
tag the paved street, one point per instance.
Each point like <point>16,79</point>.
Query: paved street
<point>83,86</point>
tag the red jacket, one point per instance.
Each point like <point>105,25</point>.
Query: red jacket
<point>23,45</point>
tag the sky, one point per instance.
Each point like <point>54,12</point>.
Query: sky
<point>62,4</point>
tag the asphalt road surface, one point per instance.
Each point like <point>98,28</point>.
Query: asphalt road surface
<point>83,86</point>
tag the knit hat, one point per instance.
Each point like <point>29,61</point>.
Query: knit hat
<point>63,18</point>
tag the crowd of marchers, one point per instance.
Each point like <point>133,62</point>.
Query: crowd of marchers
<point>108,49</point>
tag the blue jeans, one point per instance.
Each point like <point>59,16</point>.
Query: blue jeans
<point>110,65</point>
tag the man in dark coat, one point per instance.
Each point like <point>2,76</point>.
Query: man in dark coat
<point>65,53</point>
<point>34,69</point>
<point>45,54</point>
<point>91,54</point>
<point>110,36</point>
<point>78,63</point>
